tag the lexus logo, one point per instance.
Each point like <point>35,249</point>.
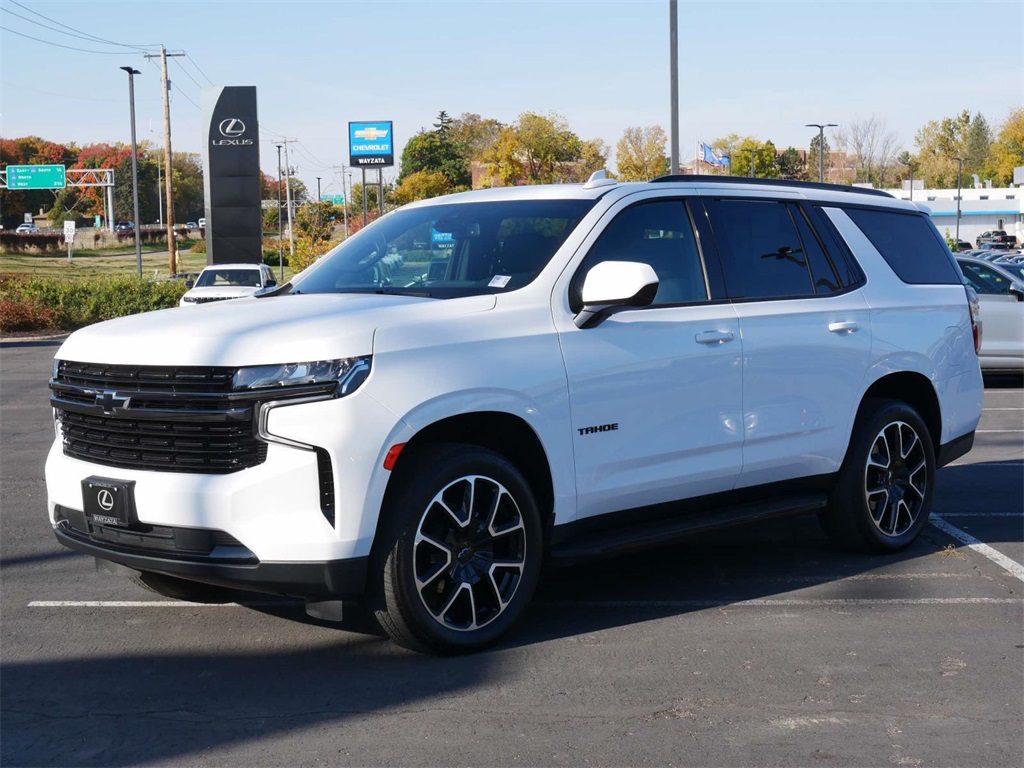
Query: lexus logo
<point>105,499</point>
<point>231,128</point>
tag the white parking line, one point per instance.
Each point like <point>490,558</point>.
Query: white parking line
<point>1010,566</point>
<point>142,604</point>
<point>1015,408</point>
<point>983,514</point>
<point>993,431</point>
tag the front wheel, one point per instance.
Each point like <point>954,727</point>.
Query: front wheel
<point>884,492</point>
<point>462,550</point>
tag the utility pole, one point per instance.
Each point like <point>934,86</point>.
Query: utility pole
<point>317,207</point>
<point>288,194</point>
<point>132,72</point>
<point>172,246</point>
<point>280,223</point>
<point>673,79</point>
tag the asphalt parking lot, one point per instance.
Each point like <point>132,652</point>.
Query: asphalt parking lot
<point>758,646</point>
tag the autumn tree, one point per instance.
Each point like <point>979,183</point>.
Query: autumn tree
<point>503,158</point>
<point>871,149</point>
<point>1008,148</point>
<point>547,144</point>
<point>476,134</point>
<point>421,186</point>
<point>641,154</point>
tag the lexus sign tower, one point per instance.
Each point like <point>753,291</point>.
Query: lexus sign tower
<point>231,176</point>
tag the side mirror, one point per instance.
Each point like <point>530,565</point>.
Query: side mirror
<point>189,283</point>
<point>1016,289</point>
<point>271,283</point>
<point>612,286</point>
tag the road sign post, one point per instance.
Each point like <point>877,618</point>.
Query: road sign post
<point>36,177</point>
<point>69,237</point>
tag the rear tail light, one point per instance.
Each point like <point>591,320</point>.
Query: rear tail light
<point>975,305</point>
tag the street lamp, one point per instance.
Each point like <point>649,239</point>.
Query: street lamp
<point>821,146</point>
<point>752,152</point>
<point>135,167</point>
<point>280,231</point>
<point>959,173</point>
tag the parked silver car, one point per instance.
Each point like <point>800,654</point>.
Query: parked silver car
<point>1001,290</point>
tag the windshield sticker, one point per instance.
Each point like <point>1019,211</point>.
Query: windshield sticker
<point>499,281</point>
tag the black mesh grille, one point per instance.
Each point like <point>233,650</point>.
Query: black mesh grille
<point>169,419</point>
<point>210,448</point>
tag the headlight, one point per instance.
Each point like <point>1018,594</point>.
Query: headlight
<point>347,374</point>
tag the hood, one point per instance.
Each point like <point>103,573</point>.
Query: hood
<point>278,329</point>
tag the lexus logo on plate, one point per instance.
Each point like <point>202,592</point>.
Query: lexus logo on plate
<point>105,499</point>
<point>231,128</point>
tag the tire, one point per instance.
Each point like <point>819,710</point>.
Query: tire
<point>886,485</point>
<point>182,589</point>
<point>461,551</point>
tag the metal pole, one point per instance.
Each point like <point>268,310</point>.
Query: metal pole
<point>959,173</point>
<point>288,197</point>
<point>109,207</point>
<point>911,166</point>
<point>135,167</point>
<point>172,247</point>
<point>364,195</point>
<point>752,153</point>
<point>317,233</point>
<point>821,146</point>
<point>344,188</point>
<point>280,225</point>
<point>673,44</point>
<point>380,192</point>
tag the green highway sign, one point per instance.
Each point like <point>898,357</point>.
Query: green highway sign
<point>36,177</point>
<point>334,199</point>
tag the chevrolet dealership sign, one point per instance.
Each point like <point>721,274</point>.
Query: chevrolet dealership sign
<point>371,144</point>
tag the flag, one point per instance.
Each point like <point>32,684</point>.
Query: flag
<point>712,157</point>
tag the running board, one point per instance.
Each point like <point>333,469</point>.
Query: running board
<point>661,531</point>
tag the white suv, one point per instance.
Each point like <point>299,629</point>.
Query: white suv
<point>568,371</point>
<point>219,282</point>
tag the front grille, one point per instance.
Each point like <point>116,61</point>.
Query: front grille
<point>206,299</point>
<point>167,419</point>
<point>169,446</point>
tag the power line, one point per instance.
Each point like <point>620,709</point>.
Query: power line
<point>309,153</point>
<point>58,45</point>
<point>193,63</point>
<point>73,29</point>
<point>189,76</point>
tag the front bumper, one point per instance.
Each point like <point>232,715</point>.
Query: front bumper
<point>211,557</point>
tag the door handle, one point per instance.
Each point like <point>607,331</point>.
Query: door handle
<point>714,337</point>
<point>845,327</point>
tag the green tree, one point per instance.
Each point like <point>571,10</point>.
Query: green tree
<point>477,135</point>
<point>641,153</point>
<point>505,167</point>
<point>939,143</point>
<point>792,165</point>
<point>435,152</point>
<point>819,149</point>
<point>593,157</point>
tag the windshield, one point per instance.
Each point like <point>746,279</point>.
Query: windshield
<point>448,250</point>
<point>246,277</point>
<point>1017,270</point>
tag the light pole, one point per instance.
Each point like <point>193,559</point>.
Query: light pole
<point>821,146</point>
<point>752,153</point>
<point>673,79</point>
<point>135,167</point>
<point>317,206</point>
<point>280,231</point>
<point>959,173</point>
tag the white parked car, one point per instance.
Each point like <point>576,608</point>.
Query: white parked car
<point>228,281</point>
<point>27,229</point>
<point>1001,290</point>
<point>587,369</point>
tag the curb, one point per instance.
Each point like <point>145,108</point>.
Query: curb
<point>33,340</point>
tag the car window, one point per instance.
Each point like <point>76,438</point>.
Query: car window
<point>448,249</point>
<point>656,233</point>
<point>985,280</point>
<point>823,273</point>
<point>761,252</point>
<point>909,243</point>
<point>217,277</point>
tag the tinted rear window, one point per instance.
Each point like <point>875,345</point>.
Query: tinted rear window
<point>910,245</point>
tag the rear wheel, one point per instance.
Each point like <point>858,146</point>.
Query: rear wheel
<point>462,551</point>
<point>885,489</point>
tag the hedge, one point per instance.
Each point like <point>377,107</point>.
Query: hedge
<point>54,304</point>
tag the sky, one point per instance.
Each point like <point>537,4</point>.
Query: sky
<point>763,69</point>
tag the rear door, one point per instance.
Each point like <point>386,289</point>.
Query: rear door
<point>806,332</point>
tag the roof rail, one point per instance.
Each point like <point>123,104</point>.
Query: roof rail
<point>772,183</point>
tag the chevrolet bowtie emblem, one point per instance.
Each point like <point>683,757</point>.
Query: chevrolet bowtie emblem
<point>110,401</point>
<point>371,133</point>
